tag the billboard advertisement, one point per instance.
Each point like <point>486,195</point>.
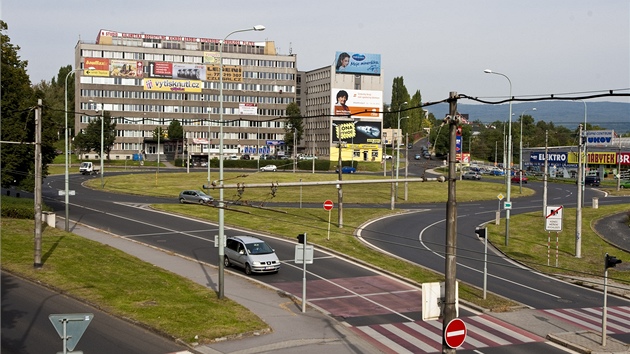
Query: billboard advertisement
<point>553,158</point>
<point>231,73</point>
<point>357,132</point>
<point>247,109</point>
<point>100,67</point>
<point>125,68</point>
<point>362,103</point>
<point>357,63</point>
<point>172,85</point>
<point>177,71</point>
<point>599,137</point>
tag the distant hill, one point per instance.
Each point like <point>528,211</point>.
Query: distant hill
<point>608,115</point>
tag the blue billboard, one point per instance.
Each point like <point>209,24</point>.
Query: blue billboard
<point>357,63</point>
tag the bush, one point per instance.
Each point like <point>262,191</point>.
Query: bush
<point>19,208</point>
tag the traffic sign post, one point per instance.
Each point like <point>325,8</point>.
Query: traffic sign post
<point>455,333</point>
<point>328,205</point>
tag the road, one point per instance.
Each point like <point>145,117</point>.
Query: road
<point>373,303</point>
<point>27,329</point>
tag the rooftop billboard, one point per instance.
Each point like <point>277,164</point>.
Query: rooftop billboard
<point>357,63</point>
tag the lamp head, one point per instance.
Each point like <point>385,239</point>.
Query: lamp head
<point>259,28</point>
<point>533,109</point>
<point>488,71</point>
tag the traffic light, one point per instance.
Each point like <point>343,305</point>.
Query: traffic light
<point>481,232</point>
<point>301,238</point>
<point>610,261</point>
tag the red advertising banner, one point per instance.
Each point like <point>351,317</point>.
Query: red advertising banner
<point>96,67</point>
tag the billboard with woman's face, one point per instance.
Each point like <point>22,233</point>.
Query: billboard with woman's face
<point>357,63</point>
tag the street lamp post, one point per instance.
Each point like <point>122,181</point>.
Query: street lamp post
<point>102,138</point>
<point>508,201</point>
<point>398,145</point>
<point>67,176</point>
<point>221,202</point>
<point>520,156</point>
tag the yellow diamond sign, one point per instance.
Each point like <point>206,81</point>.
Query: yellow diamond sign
<point>500,196</point>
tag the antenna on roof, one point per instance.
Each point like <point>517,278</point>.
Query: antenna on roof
<point>290,48</point>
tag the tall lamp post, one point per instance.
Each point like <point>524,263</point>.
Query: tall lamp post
<point>102,138</point>
<point>520,156</point>
<point>221,203</point>
<point>67,176</point>
<point>398,145</point>
<point>508,201</point>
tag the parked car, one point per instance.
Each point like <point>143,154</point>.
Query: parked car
<point>471,175</point>
<point>245,157</point>
<point>517,179</point>
<point>497,172</point>
<point>251,254</point>
<point>410,146</point>
<point>269,168</point>
<point>194,196</point>
<point>346,169</point>
<point>417,156</point>
<point>624,184</point>
<point>387,157</point>
<point>592,181</point>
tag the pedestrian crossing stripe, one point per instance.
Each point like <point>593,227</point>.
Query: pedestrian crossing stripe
<point>617,318</point>
<point>426,336</point>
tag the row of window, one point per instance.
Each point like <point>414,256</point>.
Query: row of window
<point>193,59</point>
<point>205,110</point>
<point>85,119</point>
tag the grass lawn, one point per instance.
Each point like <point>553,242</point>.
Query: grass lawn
<point>124,285</point>
<point>528,244</point>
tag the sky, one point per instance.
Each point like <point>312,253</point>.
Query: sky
<point>543,46</point>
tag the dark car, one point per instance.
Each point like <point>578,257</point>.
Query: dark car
<point>347,169</point>
<point>517,179</point>
<point>410,146</point>
<point>592,181</point>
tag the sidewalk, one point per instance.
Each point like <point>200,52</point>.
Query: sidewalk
<point>290,329</point>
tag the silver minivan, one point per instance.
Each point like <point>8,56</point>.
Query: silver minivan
<point>251,254</point>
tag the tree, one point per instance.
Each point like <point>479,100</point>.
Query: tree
<point>400,95</point>
<point>90,139</point>
<point>18,125</point>
<point>293,126</point>
<point>176,133</point>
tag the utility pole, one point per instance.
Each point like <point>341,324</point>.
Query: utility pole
<point>450,262</point>
<point>406,165</point>
<point>393,189</point>
<point>545,174</point>
<point>339,188</point>
<point>38,185</point>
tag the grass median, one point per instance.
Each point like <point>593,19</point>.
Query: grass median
<point>534,247</point>
<point>124,285</point>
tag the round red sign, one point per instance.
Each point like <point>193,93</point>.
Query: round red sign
<point>455,333</point>
<point>328,205</point>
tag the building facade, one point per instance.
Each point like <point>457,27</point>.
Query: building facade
<point>146,81</point>
<point>342,108</point>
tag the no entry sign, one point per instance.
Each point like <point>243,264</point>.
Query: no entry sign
<point>328,205</point>
<point>455,333</point>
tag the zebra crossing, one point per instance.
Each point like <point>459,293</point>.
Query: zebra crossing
<point>617,318</point>
<point>426,336</point>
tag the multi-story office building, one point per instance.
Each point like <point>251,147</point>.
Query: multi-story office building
<point>146,81</point>
<point>342,108</point>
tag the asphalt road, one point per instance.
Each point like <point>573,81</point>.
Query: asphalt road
<point>353,294</point>
<point>26,327</point>
<point>420,238</point>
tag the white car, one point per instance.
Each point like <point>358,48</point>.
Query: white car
<point>387,157</point>
<point>269,168</point>
<point>251,254</point>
